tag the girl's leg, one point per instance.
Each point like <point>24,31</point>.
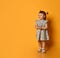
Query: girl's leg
<point>40,46</point>
<point>39,43</point>
<point>43,46</point>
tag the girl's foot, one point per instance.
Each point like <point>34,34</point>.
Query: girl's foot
<point>43,50</point>
<point>40,49</point>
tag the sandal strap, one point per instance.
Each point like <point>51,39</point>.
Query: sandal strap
<point>43,48</point>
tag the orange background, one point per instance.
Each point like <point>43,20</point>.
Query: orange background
<point>17,28</point>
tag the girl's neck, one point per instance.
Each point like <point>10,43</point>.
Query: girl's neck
<point>41,19</point>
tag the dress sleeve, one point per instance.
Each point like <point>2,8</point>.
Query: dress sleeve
<point>46,21</point>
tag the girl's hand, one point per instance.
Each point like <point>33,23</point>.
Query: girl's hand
<point>46,26</point>
<point>38,27</point>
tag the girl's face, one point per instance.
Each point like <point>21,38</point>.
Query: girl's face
<point>41,16</point>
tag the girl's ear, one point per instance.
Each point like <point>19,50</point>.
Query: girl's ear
<point>44,16</point>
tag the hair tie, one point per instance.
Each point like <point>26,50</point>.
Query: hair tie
<point>47,13</point>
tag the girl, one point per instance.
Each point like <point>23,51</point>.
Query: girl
<point>42,30</point>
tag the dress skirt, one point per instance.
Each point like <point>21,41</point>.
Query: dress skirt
<point>42,34</point>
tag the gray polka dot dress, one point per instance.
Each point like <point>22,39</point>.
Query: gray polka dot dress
<point>41,34</point>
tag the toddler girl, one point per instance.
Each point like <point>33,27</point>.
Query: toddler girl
<point>42,31</point>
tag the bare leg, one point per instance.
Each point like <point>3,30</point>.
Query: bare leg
<point>40,46</point>
<point>39,43</point>
<point>43,46</point>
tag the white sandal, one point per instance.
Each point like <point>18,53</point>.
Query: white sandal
<point>43,50</point>
<point>40,49</point>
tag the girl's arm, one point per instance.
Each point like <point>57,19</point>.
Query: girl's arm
<point>46,26</point>
<point>37,27</point>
